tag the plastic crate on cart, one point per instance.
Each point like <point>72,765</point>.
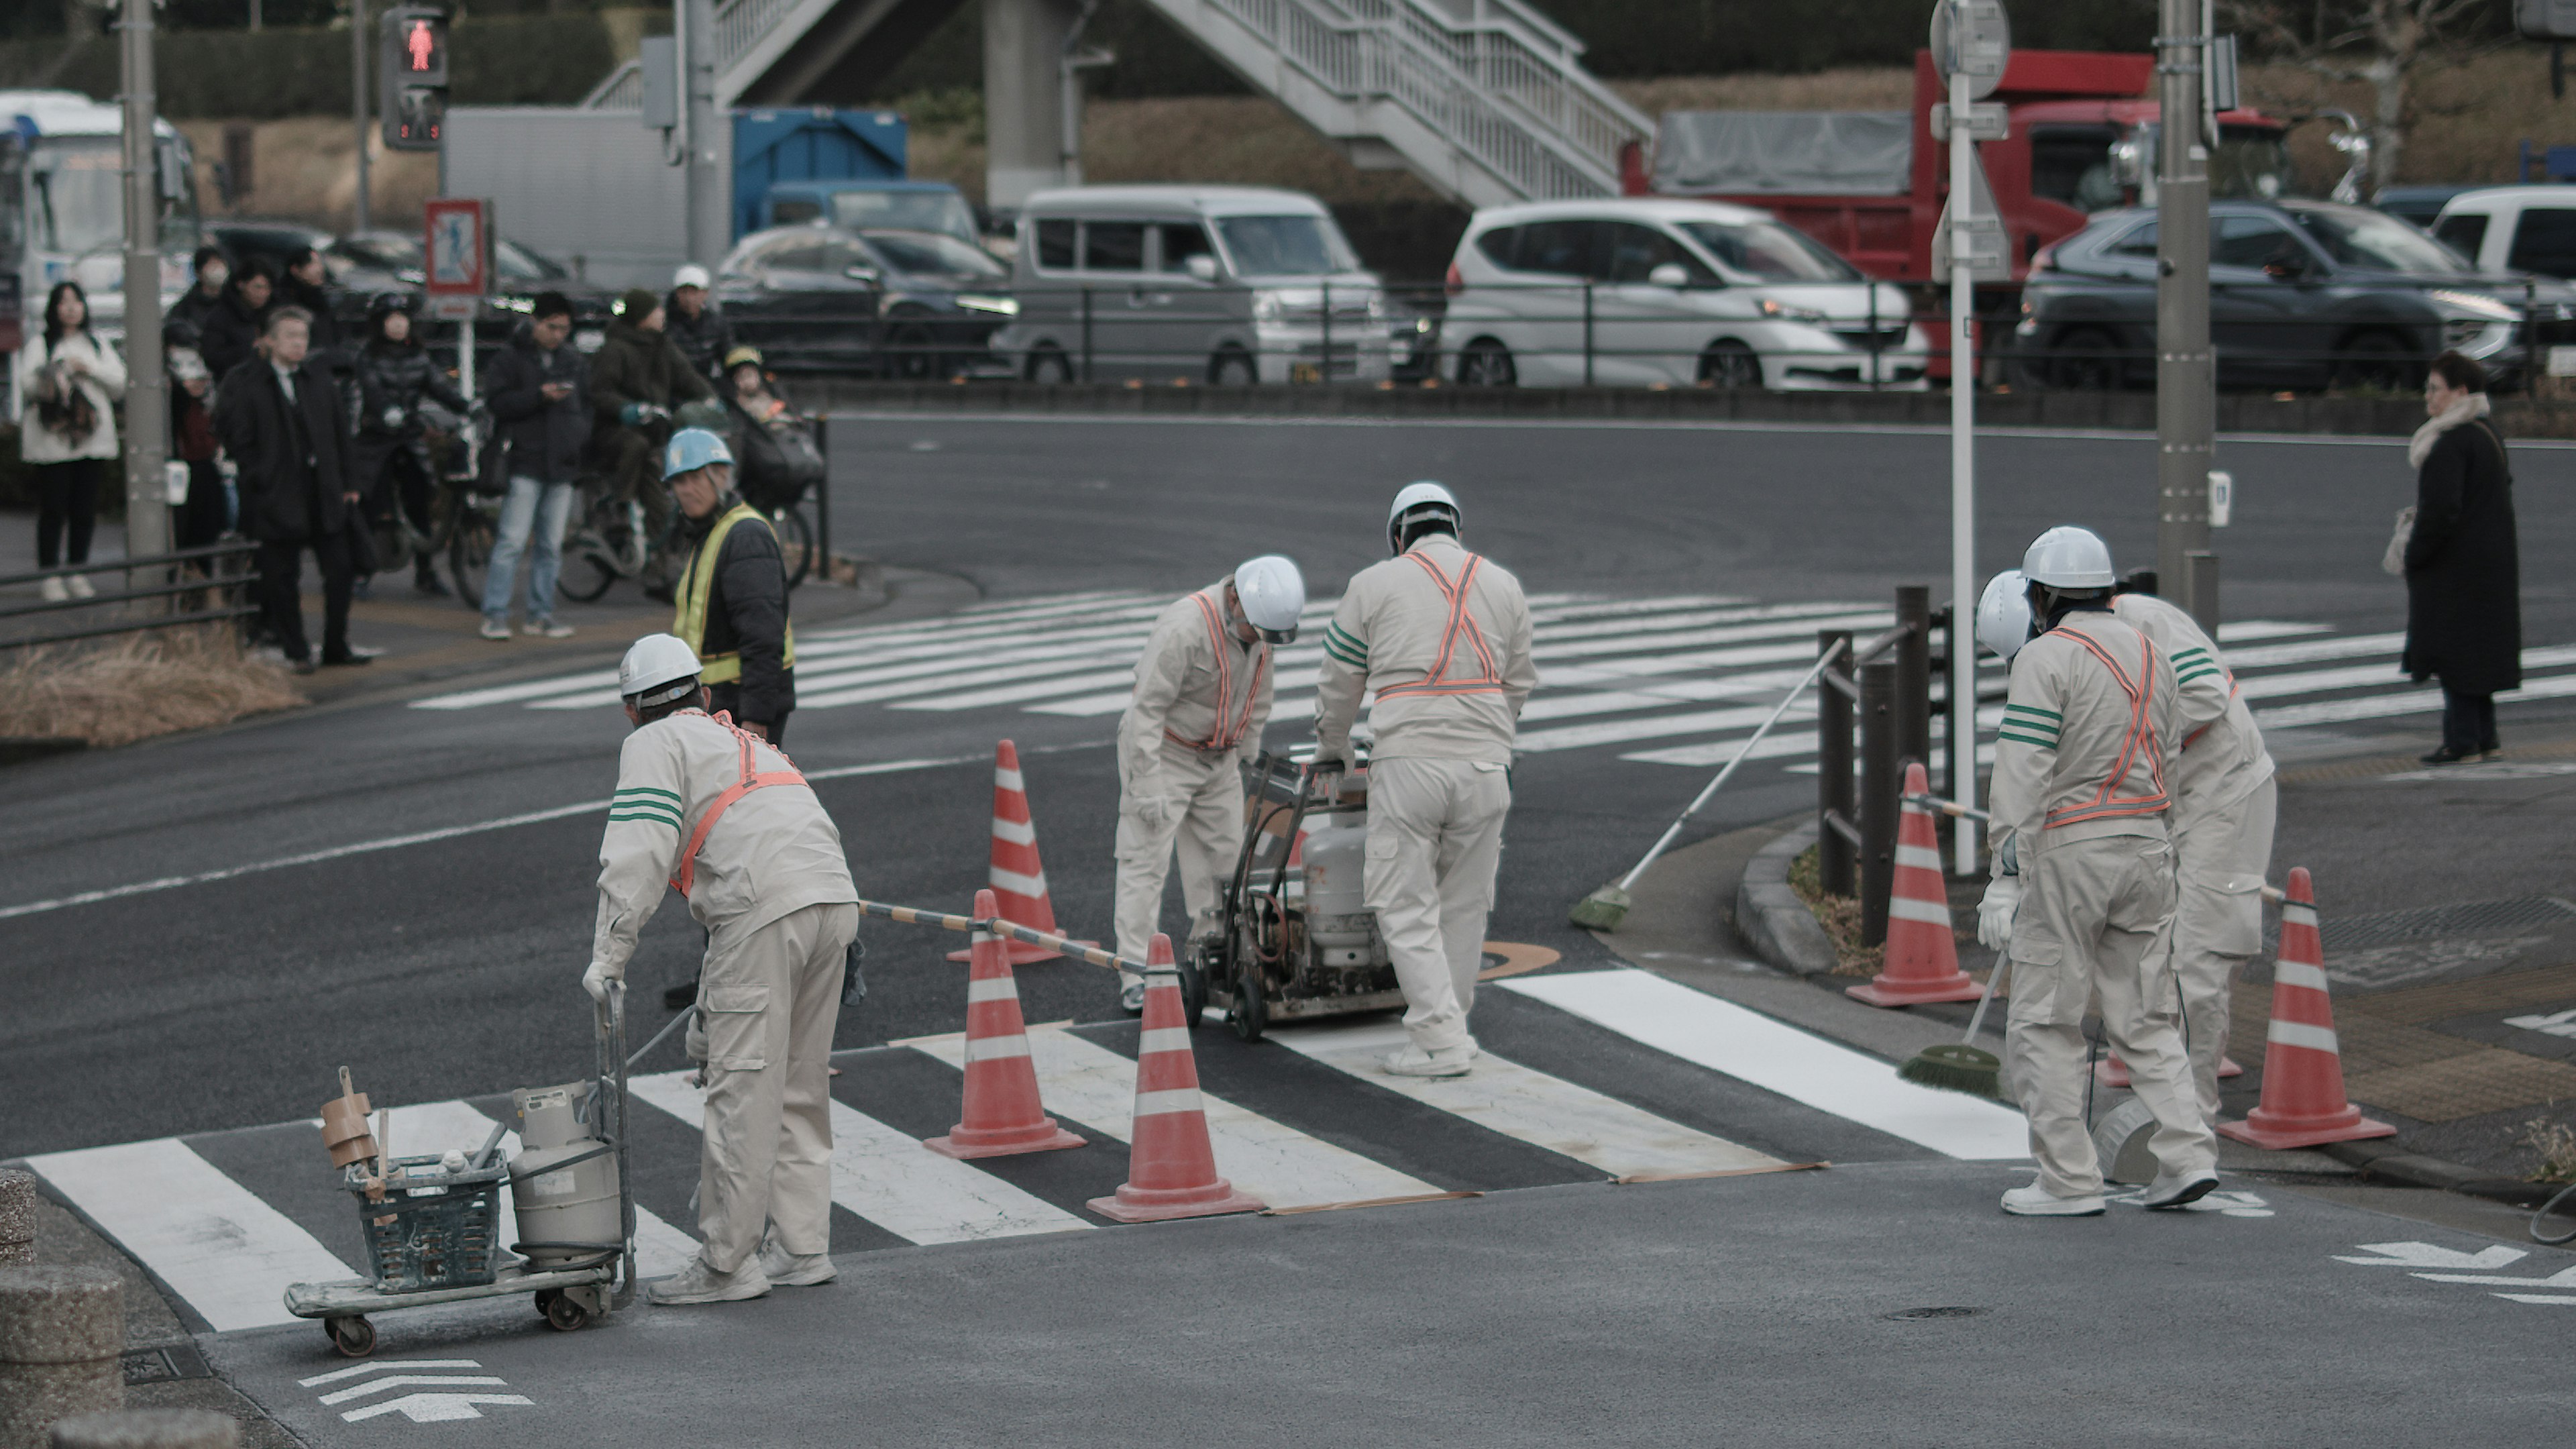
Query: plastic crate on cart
<point>434,1228</point>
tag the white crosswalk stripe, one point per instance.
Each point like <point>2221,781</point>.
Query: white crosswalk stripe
<point>1617,674</point>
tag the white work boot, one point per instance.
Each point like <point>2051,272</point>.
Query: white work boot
<point>795,1270</point>
<point>2178,1190</point>
<point>1413,1061</point>
<point>2035,1201</point>
<point>698,1283</point>
<point>1131,994</point>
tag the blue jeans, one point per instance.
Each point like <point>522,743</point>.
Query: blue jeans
<point>536,510</point>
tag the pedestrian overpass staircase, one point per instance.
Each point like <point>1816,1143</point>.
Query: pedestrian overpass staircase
<point>1486,100</point>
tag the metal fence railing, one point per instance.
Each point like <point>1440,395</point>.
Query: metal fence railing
<point>160,591</point>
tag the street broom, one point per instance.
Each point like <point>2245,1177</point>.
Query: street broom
<point>1957,1066</point>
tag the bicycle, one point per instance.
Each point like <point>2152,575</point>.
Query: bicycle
<point>399,540</point>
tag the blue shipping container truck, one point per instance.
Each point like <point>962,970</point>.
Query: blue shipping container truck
<point>814,144</point>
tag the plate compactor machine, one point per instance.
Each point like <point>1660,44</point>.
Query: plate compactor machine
<point>1296,939</point>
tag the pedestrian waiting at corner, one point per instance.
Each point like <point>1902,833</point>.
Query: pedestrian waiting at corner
<point>539,394</point>
<point>2461,561</point>
<point>68,382</point>
<point>636,380</point>
<point>279,417</point>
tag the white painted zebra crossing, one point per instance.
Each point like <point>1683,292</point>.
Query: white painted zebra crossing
<point>228,1239</point>
<point>1679,680</point>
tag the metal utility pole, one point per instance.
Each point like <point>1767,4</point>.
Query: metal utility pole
<point>358,52</point>
<point>1963,476</point>
<point>147,398</point>
<point>2186,400</point>
<point>710,210</point>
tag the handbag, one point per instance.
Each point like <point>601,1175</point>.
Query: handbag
<point>2394,561</point>
<point>854,982</point>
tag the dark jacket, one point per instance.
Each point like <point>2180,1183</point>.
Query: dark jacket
<point>747,611</point>
<point>393,379</point>
<point>2463,575</point>
<point>186,324</point>
<point>637,366</point>
<point>703,341</point>
<point>544,438</point>
<point>229,333</point>
<point>294,458</point>
<point>326,332</point>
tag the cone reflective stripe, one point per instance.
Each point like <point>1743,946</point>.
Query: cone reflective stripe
<point>1171,1167</point>
<point>2303,1102</point>
<point>1922,955</point>
<point>1018,879</point>
<point>1002,1114</point>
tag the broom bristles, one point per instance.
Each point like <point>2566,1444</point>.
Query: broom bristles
<point>1955,1068</point>
<point>1602,910</point>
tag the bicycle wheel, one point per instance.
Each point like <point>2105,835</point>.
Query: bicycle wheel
<point>795,543</point>
<point>589,568</point>
<point>469,552</point>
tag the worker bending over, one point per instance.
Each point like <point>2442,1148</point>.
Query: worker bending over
<point>2083,897</point>
<point>1442,637</point>
<point>2224,804</point>
<point>726,818</point>
<point>1202,691</point>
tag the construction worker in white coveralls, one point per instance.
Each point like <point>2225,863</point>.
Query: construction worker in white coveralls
<point>2082,902</point>
<point>1442,637</point>
<point>722,815</point>
<point>1202,695</point>
<point>2225,802</point>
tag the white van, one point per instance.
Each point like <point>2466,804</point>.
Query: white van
<point>2519,228</point>
<point>1218,284</point>
<point>1640,292</point>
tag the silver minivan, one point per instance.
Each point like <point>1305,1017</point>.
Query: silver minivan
<point>1218,284</point>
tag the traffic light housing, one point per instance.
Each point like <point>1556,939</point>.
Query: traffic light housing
<point>414,69</point>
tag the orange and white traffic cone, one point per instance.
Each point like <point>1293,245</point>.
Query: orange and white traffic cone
<point>1922,955</point>
<point>1171,1168</point>
<point>1016,875</point>
<point>2303,1102</point>
<point>1002,1114</point>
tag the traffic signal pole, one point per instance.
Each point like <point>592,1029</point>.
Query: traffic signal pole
<point>2186,397</point>
<point>147,406</point>
<point>1963,475</point>
<point>358,103</point>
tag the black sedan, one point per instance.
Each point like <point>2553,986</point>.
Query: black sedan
<point>888,303</point>
<point>519,275</point>
<point>2303,294</point>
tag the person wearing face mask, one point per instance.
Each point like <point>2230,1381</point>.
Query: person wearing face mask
<point>229,332</point>
<point>187,320</point>
<point>204,517</point>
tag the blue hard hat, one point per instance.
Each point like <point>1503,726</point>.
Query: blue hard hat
<point>692,449</point>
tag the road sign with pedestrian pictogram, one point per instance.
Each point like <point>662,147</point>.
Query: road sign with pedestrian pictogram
<point>459,253</point>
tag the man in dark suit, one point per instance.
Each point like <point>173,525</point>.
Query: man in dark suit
<point>280,420</point>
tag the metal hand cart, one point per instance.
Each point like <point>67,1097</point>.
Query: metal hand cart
<point>1263,963</point>
<point>431,1233</point>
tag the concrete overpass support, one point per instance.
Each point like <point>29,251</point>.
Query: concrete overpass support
<point>1032,116</point>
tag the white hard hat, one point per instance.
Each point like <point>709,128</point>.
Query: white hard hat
<point>657,669</point>
<point>1273,595</point>
<point>690,275</point>
<point>2067,557</point>
<point>2003,613</point>
<point>1418,501</point>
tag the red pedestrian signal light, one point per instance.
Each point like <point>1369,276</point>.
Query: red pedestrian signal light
<point>413,68</point>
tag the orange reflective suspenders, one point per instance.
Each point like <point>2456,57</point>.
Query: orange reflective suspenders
<point>1461,625</point>
<point>2140,732</point>
<point>1220,735</point>
<point>751,780</point>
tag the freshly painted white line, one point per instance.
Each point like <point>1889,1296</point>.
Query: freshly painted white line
<point>1532,1106</point>
<point>217,1245</point>
<point>1778,1057</point>
<point>889,1178</point>
<point>1274,1162</point>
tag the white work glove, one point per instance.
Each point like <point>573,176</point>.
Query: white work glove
<point>1995,913</point>
<point>693,1038</point>
<point>1158,812</point>
<point>596,979</point>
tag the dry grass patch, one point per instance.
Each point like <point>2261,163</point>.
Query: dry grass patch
<point>2553,1143</point>
<point>1839,915</point>
<point>138,686</point>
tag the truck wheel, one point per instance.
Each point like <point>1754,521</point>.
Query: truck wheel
<point>1486,363</point>
<point>1232,368</point>
<point>1730,366</point>
<point>1049,365</point>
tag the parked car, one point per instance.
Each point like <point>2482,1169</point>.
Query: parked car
<point>1638,292</point>
<point>518,273</point>
<point>1413,336</point>
<point>868,204</point>
<point>2418,204</point>
<point>1225,284</point>
<point>2302,294</point>
<point>355,278</point>
<point>2505,228</point>
<point>882,301</point>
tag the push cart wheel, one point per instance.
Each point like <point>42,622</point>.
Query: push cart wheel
<point>353,1337</point>
<point>1193,993</point>
<point>564,1315</point>
<point>546,1301</point>
<point>1251,1015</point>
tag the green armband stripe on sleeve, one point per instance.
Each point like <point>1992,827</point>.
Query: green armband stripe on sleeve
<point>2050,715</point>
<point>625,790</point>
<point>645,813</point>
<point>1345,648</point>
<point>2203,672</point>
<point>2006,733</point>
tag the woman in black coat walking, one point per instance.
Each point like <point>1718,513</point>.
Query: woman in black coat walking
<point>2463,576</point>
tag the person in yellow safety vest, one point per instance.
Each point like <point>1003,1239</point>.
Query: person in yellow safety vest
<point>2082,903</point>
<point>1202,696</point>
<point>721,815</point>
<point>1442,637</point>
<point>731,602</point>
<point>2224,806</point>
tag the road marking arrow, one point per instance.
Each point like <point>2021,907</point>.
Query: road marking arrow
<point>2538,1297</point>
<point>431,1381</point>
<point>387,1365</point>
<point>2563,1278</point>
<point>435,1408</point>
<point>2426,1255</point>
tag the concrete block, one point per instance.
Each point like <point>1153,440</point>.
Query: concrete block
<point>62,1330</point>
<point>1771,918</point>
<point>17,1217</point>
<point>149,1429</point>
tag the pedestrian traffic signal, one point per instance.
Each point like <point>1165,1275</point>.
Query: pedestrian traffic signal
<point>414,71</point>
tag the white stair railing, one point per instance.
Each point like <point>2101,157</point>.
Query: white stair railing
<point>736,27</point>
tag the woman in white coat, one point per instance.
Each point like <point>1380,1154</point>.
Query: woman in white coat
<point>68,384</point>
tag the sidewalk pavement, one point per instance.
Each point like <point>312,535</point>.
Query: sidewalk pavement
<point>2447,905</point>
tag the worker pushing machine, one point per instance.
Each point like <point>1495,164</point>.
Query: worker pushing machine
<point>1202,692</point>
<point>2225,802</point>
<point>722,815</point>
<point>2083,897</point>
<point>1442,637</point>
